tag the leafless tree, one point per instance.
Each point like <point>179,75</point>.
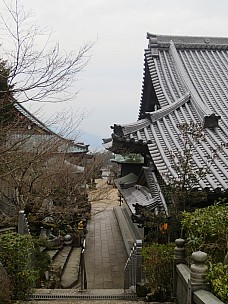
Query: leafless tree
<point>38,69</point>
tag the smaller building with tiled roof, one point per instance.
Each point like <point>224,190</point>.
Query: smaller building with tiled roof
<point>23,124</point>
<point>22,132</point>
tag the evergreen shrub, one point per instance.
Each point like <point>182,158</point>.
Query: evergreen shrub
<point>158,269</point>
<point>207,230</point>
<point>15,255</point>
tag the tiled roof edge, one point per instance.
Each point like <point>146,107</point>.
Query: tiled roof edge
<point>18,106</point>
<point>31,117</point>
<point>188,41</point>
<point>131,127</point>
<point>143,82</point>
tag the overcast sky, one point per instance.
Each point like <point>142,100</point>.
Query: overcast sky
<point>110,86</point>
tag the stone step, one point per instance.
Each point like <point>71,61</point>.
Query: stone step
<point>91,294</point>
<point>52,253</point>
<point>115,296</point>
<point>70,273</point>
<point>96,301</point>
<point>61,257</point>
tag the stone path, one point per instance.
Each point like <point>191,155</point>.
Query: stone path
<point>105,254</point>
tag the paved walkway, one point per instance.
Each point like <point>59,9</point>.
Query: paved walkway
<point>105,254</point>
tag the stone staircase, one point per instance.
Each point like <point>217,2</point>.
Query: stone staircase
<point>70,273</point>
<point>67,261</point>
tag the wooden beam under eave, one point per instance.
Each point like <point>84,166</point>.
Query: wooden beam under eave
<point>123,147</point>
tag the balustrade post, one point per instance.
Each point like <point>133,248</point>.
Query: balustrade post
<point>198,270</point>
<point>179,252</point>
<point>179,258</point>
<point>134,267</point>
<point>126,275</point>
<point>138,261</point>
<point>130,270</point>
<point>133,271</point>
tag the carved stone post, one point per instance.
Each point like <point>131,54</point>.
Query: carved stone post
<point>198,270</point>
<point>21,222</point>
<point>179,258</point>
<point>179,252</point>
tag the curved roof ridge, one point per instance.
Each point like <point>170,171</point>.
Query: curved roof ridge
<point>156,115</point>
<point>132,127</point>
<point>208,117</point>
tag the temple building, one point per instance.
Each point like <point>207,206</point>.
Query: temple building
<point>182,126</point>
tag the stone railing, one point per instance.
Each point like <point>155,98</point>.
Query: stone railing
<point>188,283</point>
<point>133,267</point>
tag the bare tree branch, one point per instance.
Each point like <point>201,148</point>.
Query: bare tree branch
<point>37,73</point>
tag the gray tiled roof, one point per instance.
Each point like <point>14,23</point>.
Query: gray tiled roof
<point>189,76</point>
<point>150,198</point>
<point>73,146</point>
<point>31,117</point>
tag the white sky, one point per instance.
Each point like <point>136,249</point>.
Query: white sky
<point>110,86</point>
